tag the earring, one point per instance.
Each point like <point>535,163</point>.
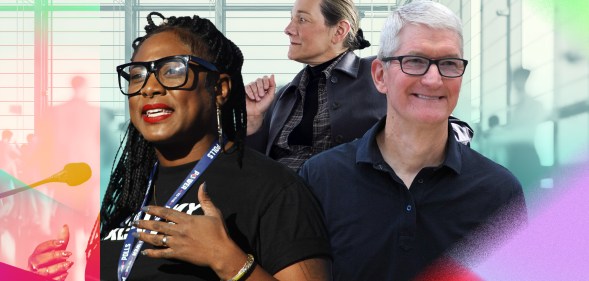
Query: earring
<point>219,126</point>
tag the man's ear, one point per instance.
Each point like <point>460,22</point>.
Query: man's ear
<point>341,31</point>
<point>223,88</point>
<point>378,75</point>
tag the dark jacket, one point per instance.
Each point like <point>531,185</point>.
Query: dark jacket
<point>354,104</point>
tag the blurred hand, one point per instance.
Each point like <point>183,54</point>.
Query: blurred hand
<point>49,258</point>
<point>260,95</point>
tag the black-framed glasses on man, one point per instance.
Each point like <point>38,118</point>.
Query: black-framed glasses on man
<point>171,72</point>
<point>417,65</point>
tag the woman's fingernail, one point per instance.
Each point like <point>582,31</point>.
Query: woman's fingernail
<point>60,242</point>
<point>66,254</point>
<point>135,223</point>
<point>145,209</point>
<point>67,264</point>
<point>135,234</point>
<point>144,252</point>
<point>64,276</point>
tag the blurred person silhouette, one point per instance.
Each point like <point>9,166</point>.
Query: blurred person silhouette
<point>28,168</point>
<point>27,155</point>
<point>28,172</point>
<point>493,121</point>
<point>27,210</point>
<point>488,147</point>
<point>9,158</point>
<point>7,174</point>
<point>515,142</point>
<point>332,100</point>
<point>7,232</point>
<point>9,154</point>
<point>109,142</point>
<point>70,133</point>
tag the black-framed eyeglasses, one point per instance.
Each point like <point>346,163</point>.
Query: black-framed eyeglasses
<point>171,72</point>
<point>417,65</point>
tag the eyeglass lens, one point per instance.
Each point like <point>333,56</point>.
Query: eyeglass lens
<point>170,73</point>
<point>419,66</point>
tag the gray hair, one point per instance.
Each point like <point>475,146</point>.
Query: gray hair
<point>428,13</point>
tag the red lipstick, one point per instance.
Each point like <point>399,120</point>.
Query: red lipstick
<point>154,113</point>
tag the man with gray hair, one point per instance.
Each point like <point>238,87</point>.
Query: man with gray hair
<point>404,194</point>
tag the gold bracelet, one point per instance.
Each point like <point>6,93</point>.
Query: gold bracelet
<point>245,270</point>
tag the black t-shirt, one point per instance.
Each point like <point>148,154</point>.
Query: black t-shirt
<point>268,211</point>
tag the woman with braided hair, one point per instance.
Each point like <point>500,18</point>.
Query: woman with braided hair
<point>205,206</point>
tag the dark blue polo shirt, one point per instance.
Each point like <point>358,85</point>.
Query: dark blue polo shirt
<point>381,230</point>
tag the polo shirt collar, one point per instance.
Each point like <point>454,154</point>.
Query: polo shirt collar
<point>369,153</point>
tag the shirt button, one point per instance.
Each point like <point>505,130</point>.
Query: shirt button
<point>420,180</point>
<point>408,208</point>
<point>333,79</point>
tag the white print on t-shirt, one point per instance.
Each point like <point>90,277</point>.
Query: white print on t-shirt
<point>121,232</point>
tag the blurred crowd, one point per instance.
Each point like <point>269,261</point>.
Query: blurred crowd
<point>69,132</point>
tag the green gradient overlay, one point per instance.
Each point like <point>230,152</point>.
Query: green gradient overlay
<point>50,8</point>
<point>573,16</point>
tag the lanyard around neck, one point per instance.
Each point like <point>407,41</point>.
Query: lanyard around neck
<point>128,256</point>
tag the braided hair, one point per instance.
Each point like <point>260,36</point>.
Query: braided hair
<point>128,181</point>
